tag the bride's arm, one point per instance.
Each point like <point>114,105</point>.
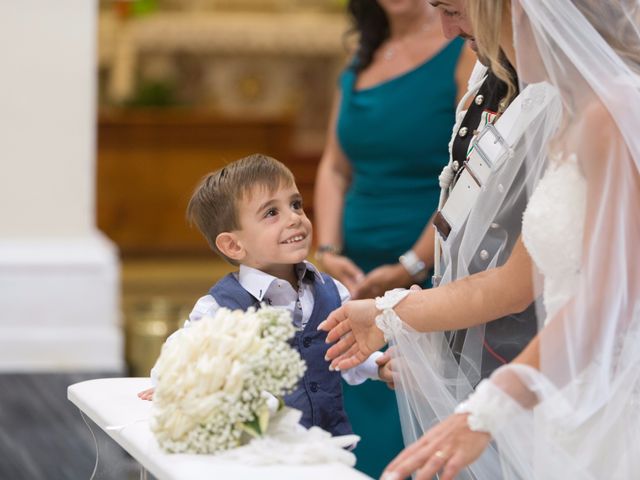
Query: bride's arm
<point>473,300</point>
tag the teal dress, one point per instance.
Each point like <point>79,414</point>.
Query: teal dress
<point>395,135</point>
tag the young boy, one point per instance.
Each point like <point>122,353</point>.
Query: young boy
<point>251,214</point>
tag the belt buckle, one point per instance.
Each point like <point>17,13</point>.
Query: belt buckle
<point>491,129</point>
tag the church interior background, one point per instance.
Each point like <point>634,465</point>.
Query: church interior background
<point>176,88</point>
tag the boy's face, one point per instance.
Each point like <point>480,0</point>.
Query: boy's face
<point>274,230</point>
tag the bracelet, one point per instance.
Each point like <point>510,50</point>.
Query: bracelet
<point>327,248</point>
<point>413,265</point>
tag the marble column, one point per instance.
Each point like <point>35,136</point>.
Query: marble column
<point>59,276</point>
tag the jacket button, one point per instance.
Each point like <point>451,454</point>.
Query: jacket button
<point>306,342</point>
<point>463,132</point>
<point>313,386</point>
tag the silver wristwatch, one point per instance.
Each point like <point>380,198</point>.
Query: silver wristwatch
<point>413,265</point>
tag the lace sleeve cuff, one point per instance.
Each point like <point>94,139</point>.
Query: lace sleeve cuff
<point>489,408</point>
<point>388,321</point>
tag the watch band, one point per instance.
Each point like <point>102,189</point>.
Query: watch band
<point>413,264</point>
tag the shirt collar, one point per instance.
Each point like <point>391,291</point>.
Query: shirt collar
<point>257,282</point>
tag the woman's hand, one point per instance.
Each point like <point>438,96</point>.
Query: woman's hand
<point>343,269</point>
<point>381,279</point>
<point>448,448</point>
<point>354,329</point>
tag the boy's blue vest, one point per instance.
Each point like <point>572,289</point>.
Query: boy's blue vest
<point>319,393</point>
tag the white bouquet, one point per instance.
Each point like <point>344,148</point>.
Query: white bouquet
<point>216,380</point>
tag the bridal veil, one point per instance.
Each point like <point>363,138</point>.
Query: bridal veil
<point>577,416</point>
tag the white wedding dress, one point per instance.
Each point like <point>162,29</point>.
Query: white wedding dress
<point>553,226</point>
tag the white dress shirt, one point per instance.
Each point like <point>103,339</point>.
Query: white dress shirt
<point>280,293</point>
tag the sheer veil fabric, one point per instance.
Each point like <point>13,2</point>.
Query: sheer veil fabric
<point>576,417</point>
<point>585,421</point>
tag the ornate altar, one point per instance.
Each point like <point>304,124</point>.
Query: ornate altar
<point>235,57</point>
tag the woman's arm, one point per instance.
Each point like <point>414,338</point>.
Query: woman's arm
<point>395,275</point>
<point>467,302</point>
<point>475,299</point>
<point>332,181</point>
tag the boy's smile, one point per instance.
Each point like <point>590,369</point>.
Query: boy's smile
<point>274,231</point>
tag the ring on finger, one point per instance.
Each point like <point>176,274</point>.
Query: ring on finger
<point>440,454</point>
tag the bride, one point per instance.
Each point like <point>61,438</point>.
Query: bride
<point>567,407</point>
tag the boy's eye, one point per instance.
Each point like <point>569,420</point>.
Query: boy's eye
<point>271,212</point>
<point>448,13</point>
<point>296,204</point>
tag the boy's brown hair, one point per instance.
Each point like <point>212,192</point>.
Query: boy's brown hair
<point>213,205</point>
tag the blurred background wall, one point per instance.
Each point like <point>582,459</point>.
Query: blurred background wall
<point>59,306</point>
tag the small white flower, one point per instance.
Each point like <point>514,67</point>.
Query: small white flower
<point>213,378</point>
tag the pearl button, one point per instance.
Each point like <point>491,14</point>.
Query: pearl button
<point>479,99</point>
<point>484,255</point>
<point>455,165</point>
<point>463,132</point>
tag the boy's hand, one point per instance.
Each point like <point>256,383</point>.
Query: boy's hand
<point>385,369</point>
<point>146,394</point>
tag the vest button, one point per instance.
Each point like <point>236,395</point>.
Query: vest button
<point>479,99</point>
<point>463,132</point>
<point>306,342</point>
<point>313,386</point>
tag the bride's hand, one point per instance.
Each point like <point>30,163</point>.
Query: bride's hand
<point>448,447</point>
<point>354,329</point>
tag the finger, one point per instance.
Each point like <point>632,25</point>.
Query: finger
<point>454,465</point>
<point>351,285</point>
<point>410,463</point>
<point>339,331</point>
<point>391,385</point>
<point>433,465</point>
<point>353,271</point>
<point>334,319</point>
<point>384,358</point>
<point>367,289</point>
<point>144,392</point>
<point>415,287</point>
<point>352,358</point>
<point>407,453</point>
<point>341,347</point>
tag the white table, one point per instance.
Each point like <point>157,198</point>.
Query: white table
<point>113,402</point>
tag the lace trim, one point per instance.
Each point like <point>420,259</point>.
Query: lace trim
<point>388,321</point>
<point>489,408</point>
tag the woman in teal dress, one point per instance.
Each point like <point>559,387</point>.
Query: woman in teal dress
<point>377,184</point>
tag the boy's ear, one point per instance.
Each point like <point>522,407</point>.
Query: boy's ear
<point>229,245</point>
